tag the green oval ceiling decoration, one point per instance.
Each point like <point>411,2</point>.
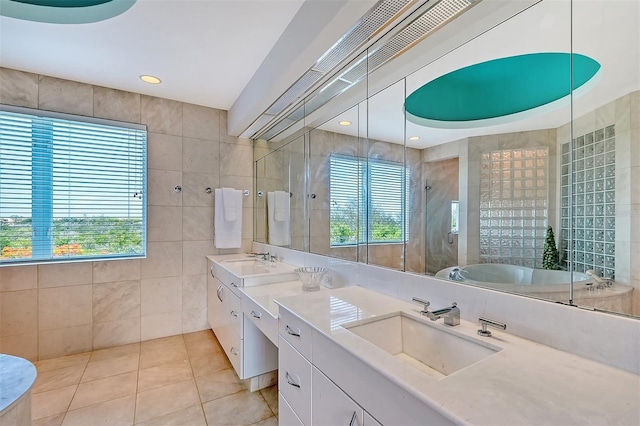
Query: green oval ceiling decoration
<point>490,92</point>
<point>64,11</point>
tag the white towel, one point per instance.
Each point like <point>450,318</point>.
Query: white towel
<point>281,208</point>
<point>230,204</point>
<point>279,231</point>
<point>228,234</point>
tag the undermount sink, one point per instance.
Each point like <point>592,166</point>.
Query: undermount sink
<point>245,267</point>
<point>431,349</point>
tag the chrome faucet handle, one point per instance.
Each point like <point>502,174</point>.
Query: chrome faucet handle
<point>426,304</point>
<point>484,322</point>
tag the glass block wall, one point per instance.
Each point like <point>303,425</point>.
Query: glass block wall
<point>594,195</point>
<point>514,196</point>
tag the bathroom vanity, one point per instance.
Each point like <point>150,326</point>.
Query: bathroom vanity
<point>376,358</point>
<point>355,356</point>
<point>236,322</point>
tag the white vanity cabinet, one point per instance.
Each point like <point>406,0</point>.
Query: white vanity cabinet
<point>250,352</point>
<point>311,397</point>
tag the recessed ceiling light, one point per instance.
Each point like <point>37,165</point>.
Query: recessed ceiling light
<point>345,123</point>
<point>150,79</point>
<point>414,138</point>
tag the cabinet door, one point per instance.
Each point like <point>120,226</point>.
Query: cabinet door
<point>216,312</point>
<point>294,380</point>
<point>286,415</point>
<point>331,406</point>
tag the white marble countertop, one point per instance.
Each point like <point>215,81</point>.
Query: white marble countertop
<point>17,375</point>
<point>265,295</point>
<point>525,383</point>
<point>245,266</point>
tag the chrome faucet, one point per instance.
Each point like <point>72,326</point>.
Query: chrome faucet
<point>450,314</point>
<point>454,274</point>
<point>601,282</point>
<point>265,256</point>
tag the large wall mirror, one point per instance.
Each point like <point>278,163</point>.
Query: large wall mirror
<point>501,151</point>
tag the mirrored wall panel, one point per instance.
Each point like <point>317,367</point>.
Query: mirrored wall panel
<point>502,151</point>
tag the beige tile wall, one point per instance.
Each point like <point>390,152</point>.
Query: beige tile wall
<point>58,309</point>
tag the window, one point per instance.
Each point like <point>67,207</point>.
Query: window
<point>455,217</point>
<point>367,193</point>
<point>70,187</point>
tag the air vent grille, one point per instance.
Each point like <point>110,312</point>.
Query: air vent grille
<point>418,30</point>
<point>295,92</point>
<point>381,14</point>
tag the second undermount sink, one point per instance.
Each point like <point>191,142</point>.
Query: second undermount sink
<point>431,349</point>
<point>251,266</point>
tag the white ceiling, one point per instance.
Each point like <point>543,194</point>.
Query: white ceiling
<point>205,51</point>
<point>607,31</point>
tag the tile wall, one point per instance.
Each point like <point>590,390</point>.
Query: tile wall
<point>58,309</point>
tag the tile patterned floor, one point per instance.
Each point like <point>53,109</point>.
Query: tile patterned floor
<point>178,380</point>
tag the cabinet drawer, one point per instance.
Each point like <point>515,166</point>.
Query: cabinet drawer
<point>331,406</point>
<point>294,380</point>
<point>261,318</point>
<point>219,272</point>
<point>232,345</point>
<point>234,311</point>
<point>286,416</point>
<point>295,331</point>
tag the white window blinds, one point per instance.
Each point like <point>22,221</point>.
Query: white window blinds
<point>369,195</point>
<point>70,187</point>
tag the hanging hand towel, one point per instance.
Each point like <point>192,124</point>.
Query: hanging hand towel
<point>228,234</point>
<point>230,204</point>
<point>281,210</point>
<point>279,231</point>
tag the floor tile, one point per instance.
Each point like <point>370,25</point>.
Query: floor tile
<point>166,399</point>
<point>114,386</point>
<point>216,385</point>
<point>240,409</point>
<point>101,390</point>
<point>45,404</point>
<point>162,353</point>
<point>62,362</point>
<point>115,352</point>
<point>270,395</point>
<point>164,374</point>
<point>55,379</point>
<point>271,421</point>
<point>55,420</point>
<point>210,363</point>
<point>203,347</point>
<point>113,413</point>
<point>198,335</point>
<point>110,367</point>
<point>192,416</point>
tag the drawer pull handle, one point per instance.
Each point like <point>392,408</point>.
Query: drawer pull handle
<point>219,292</point>
<point>256,314</point>
<point>233,313</point>
<point>234,351</point>
<point>234,284</point>
<point>353,419</point>
<point>211,269</point>
<point>289,378</point>
<point>292,330</point>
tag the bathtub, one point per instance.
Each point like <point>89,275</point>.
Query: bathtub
<point>544,284</point>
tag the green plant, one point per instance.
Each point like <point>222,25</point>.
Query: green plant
<point>550,258</point>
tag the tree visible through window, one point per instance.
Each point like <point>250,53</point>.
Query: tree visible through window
<point>367,194</point>
<point>70,189</point>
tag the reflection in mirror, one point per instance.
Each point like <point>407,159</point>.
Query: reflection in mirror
<point>548,158</point>
<point>280,196</point>
<point>335,199</point>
